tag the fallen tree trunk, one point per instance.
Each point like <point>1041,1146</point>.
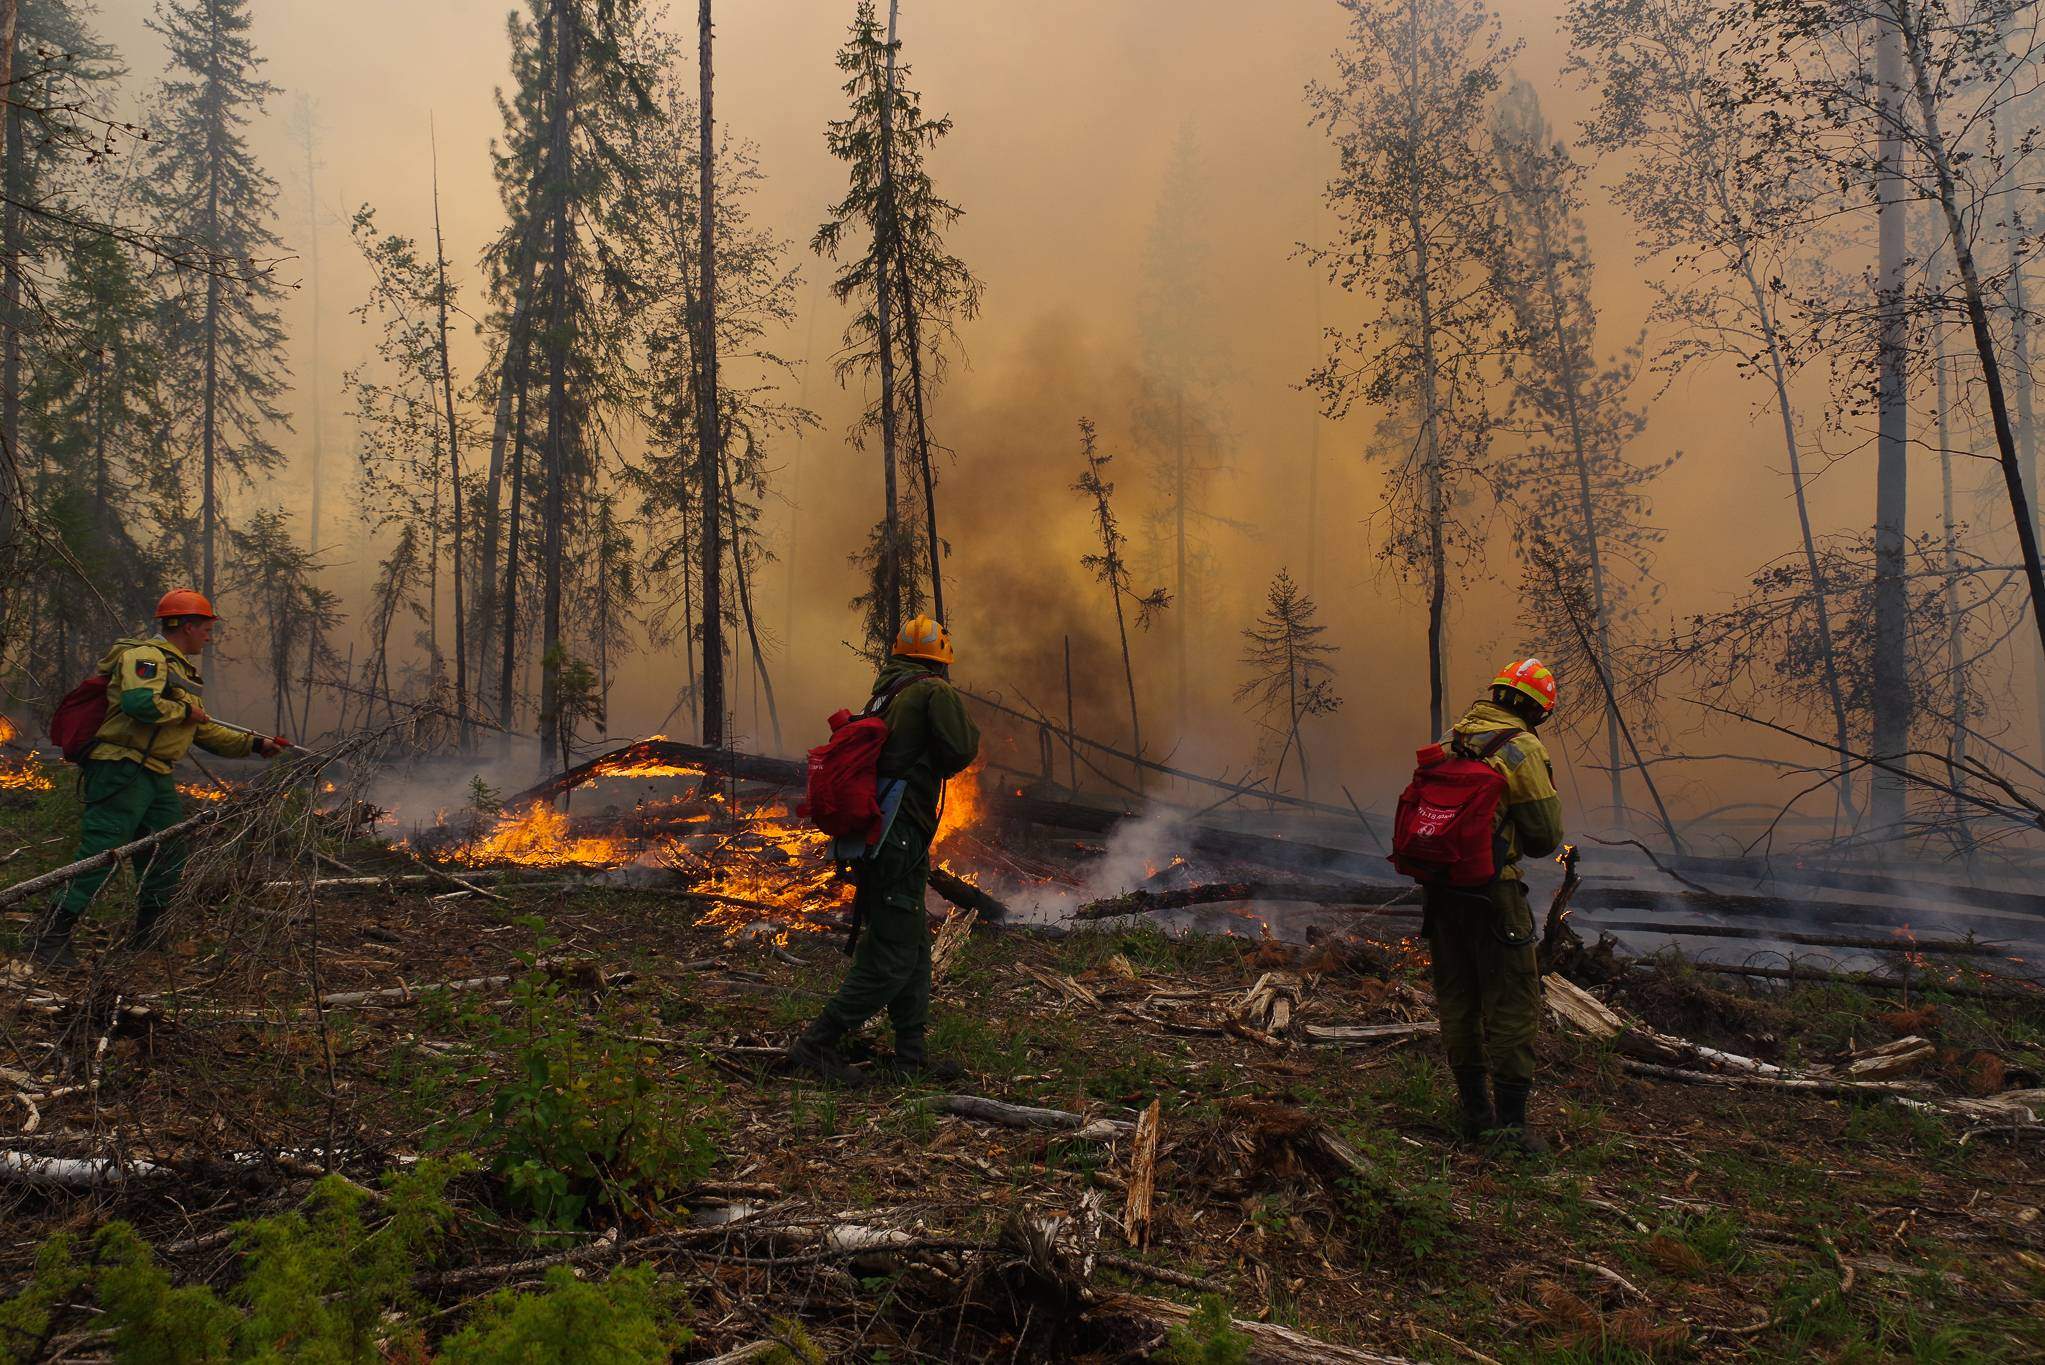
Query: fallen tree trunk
<point>1822,1085</point>
<point>75,1173</point>
<point>1143,901</point>
<point>1357,1035</point>
<point>1028,1116</point>
<point>21,891</point>
<point>780,772</point>
<point>1269,1343</point>
<point>1592,1016</point>
<point>966,896</point>
<point>1925,982</point>
<point>1951,947</point>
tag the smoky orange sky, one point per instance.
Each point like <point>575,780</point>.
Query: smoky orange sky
<point>1065,115</point>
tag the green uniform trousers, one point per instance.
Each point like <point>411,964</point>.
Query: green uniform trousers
<point>891,964</point>
<point>1487,987</point>
<point>123,802</point>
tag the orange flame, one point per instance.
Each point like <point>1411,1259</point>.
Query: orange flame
<point>25,773</point>
<point>539,837</point>
<point>199,793</point>
<point>963,804</point>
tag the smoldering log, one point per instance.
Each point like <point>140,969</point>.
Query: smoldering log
<point>1143,901</point>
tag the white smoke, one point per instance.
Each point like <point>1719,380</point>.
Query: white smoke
<point>1137,849</point>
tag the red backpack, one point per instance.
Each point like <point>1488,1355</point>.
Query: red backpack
<point>76,721</point>
<point>1448,815</point>
<point>843,799</point>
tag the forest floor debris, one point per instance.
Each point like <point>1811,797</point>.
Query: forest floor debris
<point>1299,1172</point>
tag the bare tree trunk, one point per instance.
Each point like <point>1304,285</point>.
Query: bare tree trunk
<point>1601,624</point>
<point>1956,659</point>
<point>1977,316</point>
<point>1129,676</point>
<point>886,231</point>
<point>708,456</point>
<point>553,753</point>
<point>10,278</point>
<point>508,380</point>
<point>209,511</point>
<point>1182,625</point>
<point>454,470</point>
<point>312,234</point>
<point>1820,603</point>
<point>9,289</point>
<point>912,345</point>
<point>516,489</point>
<point>1430,417</point>
<point>743,580</point>
<point>1891,674</point>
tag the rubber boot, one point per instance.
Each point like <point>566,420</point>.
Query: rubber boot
<point>48,941</point>
<point>911,1061</point>
<point>1474,1117</point>
<point>815,1053</point>
<point>1513,1130</point>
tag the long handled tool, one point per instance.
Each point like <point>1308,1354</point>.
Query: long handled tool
<point>1558,909</point>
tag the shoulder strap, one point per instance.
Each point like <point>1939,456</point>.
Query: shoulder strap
<point>1493,742</point>
<point>879,701</point>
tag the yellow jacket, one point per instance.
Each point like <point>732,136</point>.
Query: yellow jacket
<point>150,685</point>
<point>1530,816</point>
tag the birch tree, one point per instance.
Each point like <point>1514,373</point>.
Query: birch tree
<point>1411,197</point>
<point>1575,487</point>
<point>1721,215</point>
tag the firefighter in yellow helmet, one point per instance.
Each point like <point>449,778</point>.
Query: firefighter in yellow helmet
<point>930,739</point>
<point>155,714</point>
<point>1487,986</point>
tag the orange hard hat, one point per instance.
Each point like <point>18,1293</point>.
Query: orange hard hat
<point>923,638</point>
<point>1532,677</point>
<point>184,602</point>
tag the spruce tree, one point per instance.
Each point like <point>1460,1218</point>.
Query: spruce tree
<point>908,293</point>
<point>1290,678</point>
<point>94,417</point>
<point>223,343</point>
<point>582,84</point>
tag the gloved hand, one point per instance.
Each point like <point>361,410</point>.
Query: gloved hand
<point>273,746</point>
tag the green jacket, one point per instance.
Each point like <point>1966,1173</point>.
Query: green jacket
<point>930,738</point>
<point>1530,817</point>
<point>150,685</point>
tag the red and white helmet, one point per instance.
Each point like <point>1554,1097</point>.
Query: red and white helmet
<point>1531,677</point>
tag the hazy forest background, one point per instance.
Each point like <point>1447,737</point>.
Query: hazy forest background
<point>1179,221</point>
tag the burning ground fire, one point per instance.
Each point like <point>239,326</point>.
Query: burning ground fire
<point>746,853</point>
<point>25,773</point>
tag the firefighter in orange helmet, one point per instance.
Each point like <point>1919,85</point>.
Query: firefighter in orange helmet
<point>1487,986</point>
<point>930,739</point>
<point>155,714</point>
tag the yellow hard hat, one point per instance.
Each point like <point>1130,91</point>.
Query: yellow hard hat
<point>923,638</point>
